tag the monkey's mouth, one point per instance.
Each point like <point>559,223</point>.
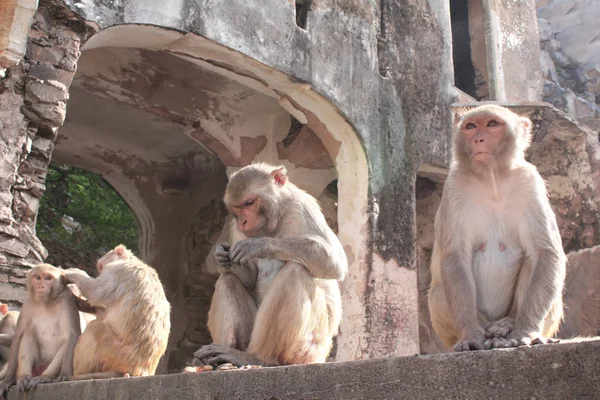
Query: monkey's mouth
<point>482,154</point>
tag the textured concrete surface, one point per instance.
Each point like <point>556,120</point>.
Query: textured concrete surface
<point>547,372</point>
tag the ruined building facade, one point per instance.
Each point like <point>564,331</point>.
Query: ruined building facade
<point>354,97</point>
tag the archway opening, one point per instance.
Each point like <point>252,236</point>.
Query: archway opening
<point>164,116</point>
<point>469,47</point>
<point>81,217</point>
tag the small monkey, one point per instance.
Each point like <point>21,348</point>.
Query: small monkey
<point>277,300</point>
<point>132,333</point>
<point>8,325</point>
<point>46,332</point>
<point>498,265</point>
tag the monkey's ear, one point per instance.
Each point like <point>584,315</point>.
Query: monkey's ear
<point>120,250</point>
<point>280,176</point>
<point>3,309</point>
<point>63,280</point>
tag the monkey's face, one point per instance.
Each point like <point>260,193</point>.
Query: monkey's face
<point>44,283</point>
<point>249,216</point>
<point>484,137</point>
<point>491,137</point>
<point>118,253</point>
<point>3,309</point>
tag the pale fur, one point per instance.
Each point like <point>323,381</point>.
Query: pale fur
<point>46,333</point>
<point>291,311</point>
<point>505,207</point>
<point>8,326</point>
<point>133,333</point>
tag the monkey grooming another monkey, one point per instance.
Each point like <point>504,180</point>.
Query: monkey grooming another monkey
<point>131,335</point>
<point>277,300</point>
<point>46,333</point>
<point>8,325</point>
<point>498,265</point>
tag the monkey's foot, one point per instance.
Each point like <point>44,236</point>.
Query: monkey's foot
<point>528,341</point>
<point>39,379</point>
<point>23,383</point>
<point>500,343</point>
<point>215,354</point>
<point>500,329</point>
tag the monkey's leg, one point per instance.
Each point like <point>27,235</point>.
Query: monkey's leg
<point>28,354</point>
<point>232,312</point>
<point>552,320</point>
<point>441,317</point>
<point>293,324</point>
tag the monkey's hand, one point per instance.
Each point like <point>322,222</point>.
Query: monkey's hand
<point>215,354</point>
<point>246,250</point>
<point>500,328</point>
<point>222,254</point>
<point>74,275</point>
<point>37,380</point>
<point>23,383</point>
<point>471,341</point>
<point>530,339</point>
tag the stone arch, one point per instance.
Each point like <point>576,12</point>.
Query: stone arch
<point>164,115</point>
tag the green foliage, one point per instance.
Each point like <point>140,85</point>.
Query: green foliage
<point>104,218</point>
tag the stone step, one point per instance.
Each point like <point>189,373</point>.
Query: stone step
<point>559,371</point>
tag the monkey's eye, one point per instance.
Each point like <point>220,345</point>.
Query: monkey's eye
<point>48,278</point>
<point>493,123</point>
<point>248,203</point>
<point>470,125</point>
<point>37,277</point>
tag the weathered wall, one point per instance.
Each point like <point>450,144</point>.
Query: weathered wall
<point>33,98</point>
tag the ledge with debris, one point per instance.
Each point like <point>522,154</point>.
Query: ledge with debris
<point>559,371</point>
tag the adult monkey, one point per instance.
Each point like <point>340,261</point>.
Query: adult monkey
<point>277,300</point>
<point>46,334</point>
<point>8,326</point>
<point>132,330</point>
<point>498,266</point>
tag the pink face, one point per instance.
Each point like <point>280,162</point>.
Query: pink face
<point>42,283</point>
<point>247,214</point>
<point>483,135</point>
<point>3,309</point>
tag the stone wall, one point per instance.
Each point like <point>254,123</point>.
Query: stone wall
<point>33,99</point>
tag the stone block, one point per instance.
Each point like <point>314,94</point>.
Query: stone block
<point>14,247</point>
<point>560,371</point>
<point>50,91</point>
<point>544,29</point>
<point>582,294</point>
<point>13,293</point>
<point>15,19</point>
<point>547,66</point>
<point>560,59</point>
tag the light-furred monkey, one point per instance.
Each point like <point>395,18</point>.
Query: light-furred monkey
<point>498,266</point>
<point>46,334</point>
<point>277,300</point>
<point>8,326</point>
<point>132,333</point>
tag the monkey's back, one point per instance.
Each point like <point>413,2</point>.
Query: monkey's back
<point>140,315</point>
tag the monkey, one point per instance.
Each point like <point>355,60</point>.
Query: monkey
<point>277,299</point>
<point>46,333</point>
<point>8,325</point>
<point>132,335</point>
<point>498,265</point>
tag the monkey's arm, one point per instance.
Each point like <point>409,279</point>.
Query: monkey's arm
<point>324,259</point>
<point>459,288</point>
<point>6,339</point>
<point>12,364</point>
<point>97,291</point>
<point>542,242</point>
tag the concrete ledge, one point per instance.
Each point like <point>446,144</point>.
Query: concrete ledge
<point>558,371</point>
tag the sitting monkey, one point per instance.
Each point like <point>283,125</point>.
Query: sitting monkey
<point>498,266</point>
<point>277,300</point>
